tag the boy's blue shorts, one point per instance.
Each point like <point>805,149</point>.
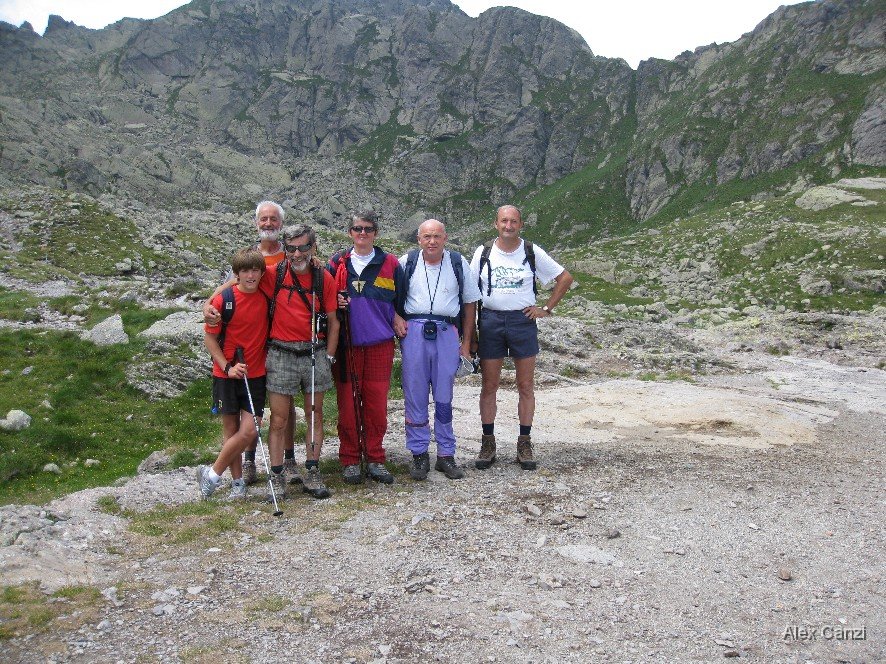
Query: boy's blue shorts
<point>229,395</point>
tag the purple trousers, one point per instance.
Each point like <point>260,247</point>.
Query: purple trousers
<point>429,366</point>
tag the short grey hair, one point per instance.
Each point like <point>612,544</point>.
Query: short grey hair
<point>369,216</point>
<point>280,212</point>
<point>297,230</point>
<point>509,205</point>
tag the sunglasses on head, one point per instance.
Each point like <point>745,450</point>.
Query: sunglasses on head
<point>303,248</point>
<point>363,229</point>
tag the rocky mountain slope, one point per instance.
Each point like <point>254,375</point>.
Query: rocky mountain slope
<point>410,105</point>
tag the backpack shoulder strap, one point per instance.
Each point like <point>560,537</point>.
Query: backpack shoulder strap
<point>458,269</point>
<point>278,284</point>
<point>229,303</point>
<point>411,262</point>
<point>317,285</point>
<point>530,259</point>
<point>484,258</point>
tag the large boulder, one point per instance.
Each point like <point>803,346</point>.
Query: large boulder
<point>181,326</point>
<point>107,333</point>
<point>15,420</point>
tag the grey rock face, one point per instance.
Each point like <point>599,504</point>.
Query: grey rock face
<point>107,333</point>
<point>415,101</point>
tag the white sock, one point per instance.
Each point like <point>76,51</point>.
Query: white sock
<point>215,477</point>
<point>238,482</point>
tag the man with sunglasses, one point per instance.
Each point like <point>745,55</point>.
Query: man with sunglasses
<point>374,281</point>
<point>296,350</point>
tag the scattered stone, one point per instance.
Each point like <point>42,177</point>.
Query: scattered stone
<point>16,420</point>
<point>156,462</point>
<point>52,468</point>
<point>579,513</point>
<point>612,533</point>
<point>581,553</point>
<point>110,594</point>
<point>785,574</point>
<point>90,463</point>
<point>532,509</point>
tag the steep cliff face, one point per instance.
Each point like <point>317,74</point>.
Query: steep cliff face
<point>807,83</point>
<point>423,106</point>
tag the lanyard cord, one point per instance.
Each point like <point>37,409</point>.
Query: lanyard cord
<point>428,281</point>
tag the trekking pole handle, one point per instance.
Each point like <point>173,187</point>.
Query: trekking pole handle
<point>238,355</point>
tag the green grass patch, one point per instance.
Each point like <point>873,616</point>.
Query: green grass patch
<point>25,610</point>
<point>83,407</point>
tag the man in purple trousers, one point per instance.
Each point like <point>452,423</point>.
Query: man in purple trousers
<point>441,298</point>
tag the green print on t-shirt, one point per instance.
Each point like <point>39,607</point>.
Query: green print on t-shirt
<point>507,278</point>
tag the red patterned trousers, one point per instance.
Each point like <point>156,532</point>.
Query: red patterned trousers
<point>373,367</point>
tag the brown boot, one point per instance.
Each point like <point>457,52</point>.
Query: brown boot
<point>487,453</point>
<point>524,453</point>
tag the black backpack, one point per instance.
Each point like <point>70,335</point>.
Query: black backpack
<point>455,258</point>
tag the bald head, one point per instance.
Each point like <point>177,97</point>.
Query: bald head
<point>432,240</point>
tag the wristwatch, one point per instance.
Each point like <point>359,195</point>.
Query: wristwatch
<point>228,368</point>
<point>547,310</point>
<point>331,359</point>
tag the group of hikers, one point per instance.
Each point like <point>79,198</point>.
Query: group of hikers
<point>286,323</point>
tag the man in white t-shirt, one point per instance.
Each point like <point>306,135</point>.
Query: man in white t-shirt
<point>431,347</point>
<point>507,324</point>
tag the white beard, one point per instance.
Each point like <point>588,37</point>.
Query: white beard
<point>268,235</point>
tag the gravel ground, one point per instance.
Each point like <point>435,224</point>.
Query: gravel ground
<point>741,515</point>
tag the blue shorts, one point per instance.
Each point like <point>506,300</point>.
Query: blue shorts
<point>229,395</point>
<point>507,334</point>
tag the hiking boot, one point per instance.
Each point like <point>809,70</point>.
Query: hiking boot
<point>290,472</point>
<point>238,490</point>
<point>379,473</point>
<point>206,485</point>
<point>313,484</point>
<point>278,481</point>
<point>446,465</point>
<point>524,453</point>
<point>421,464</point>
<point>351,474</point>
<point>487,453</point>
<point>249,474</point>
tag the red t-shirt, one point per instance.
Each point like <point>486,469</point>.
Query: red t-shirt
<point>247,328</point>
<point>292,319</point>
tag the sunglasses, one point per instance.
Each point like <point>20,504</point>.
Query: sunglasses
<point>363,229</point>
<point>303,248</point>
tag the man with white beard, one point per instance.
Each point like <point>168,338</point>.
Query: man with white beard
<point>269,218</point>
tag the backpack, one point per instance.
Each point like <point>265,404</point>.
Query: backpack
<point>455,258</point>
<point>484,258</point>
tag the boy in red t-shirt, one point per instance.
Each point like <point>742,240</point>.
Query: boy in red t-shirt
<point>247,329</point>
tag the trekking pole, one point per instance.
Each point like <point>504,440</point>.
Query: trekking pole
<point>315,274</point>
<point>238,356</point>
<point>355,389</point>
